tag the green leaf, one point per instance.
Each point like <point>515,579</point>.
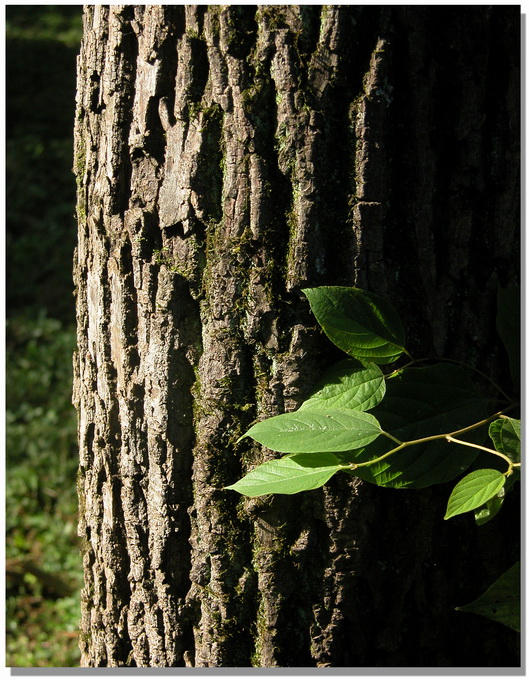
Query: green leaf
<point>289,475</point>
<point>505,434</point>
<point>364,325</point>
<point>348,384</point>
<point>508,325</point>
<point>501,602</point>
<point>313,431</point>
<point>420,402</point>
<point>473,490</point>
<point>490,509</point>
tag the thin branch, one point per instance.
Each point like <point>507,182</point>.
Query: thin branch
<point>484,448</point>
<point>447,436</point>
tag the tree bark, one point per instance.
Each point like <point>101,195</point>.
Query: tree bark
<point>226,157</point>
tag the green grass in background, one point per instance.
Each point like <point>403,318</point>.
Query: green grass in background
<point>42,554</point>
<point>44,571</point>
<point>60,23</point>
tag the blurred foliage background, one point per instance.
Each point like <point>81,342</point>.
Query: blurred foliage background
<point>43,564</point>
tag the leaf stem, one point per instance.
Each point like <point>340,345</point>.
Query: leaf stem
<point>390,436</point>
<point>353,466</point>
<point>448,436</point>
<point>483,375</point>
<point>462,430</point>
<point>484,448</point>
<point>453,361</point>
<point>401,368</point>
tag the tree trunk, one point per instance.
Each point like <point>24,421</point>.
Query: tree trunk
<point>226,157</point>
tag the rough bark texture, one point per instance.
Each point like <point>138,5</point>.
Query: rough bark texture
<point>226,157</point>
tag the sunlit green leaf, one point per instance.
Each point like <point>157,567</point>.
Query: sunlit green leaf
<point>473,490</point>
<point>312,431</point>
<point>289,475</point>
<point>501,602</point>
<point>505,434</point>
<point>364,325</point>
<point>348,384</point>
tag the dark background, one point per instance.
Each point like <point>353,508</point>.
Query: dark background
<point>44,570</point>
